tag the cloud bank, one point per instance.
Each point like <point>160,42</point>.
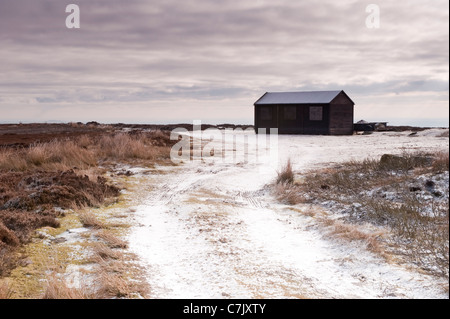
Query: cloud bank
<point>175,61</point>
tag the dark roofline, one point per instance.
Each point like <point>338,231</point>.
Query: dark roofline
<point>294,92</point>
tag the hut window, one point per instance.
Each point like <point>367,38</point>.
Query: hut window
<point>315,113</point>
<point>265,113</point>
<point>290,113</point>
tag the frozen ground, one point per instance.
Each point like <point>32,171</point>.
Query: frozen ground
<point>213,230</point>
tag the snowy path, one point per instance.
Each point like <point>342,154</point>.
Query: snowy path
<point>214,231</point>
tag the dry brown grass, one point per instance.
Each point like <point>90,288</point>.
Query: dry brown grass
<point>57,288</point>
<point>288,193</point>
<point>118,285</point>
<point>55,155</point>
<point>285,175</point>
<point>441,162</point>
<point>105,252</point>
<point>39,177</point>
<point>88,219</point>
<point>115,286</point>
<point>150,146</point>
<point>12,160</point>
<point>84,141</point>
<point>353,232</point>
<point>123,146</point>
<point>111,240</point>
<point>86,151</point>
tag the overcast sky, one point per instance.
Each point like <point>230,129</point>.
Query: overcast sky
<point>167,61</point>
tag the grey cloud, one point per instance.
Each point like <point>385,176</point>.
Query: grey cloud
<point>137,51</point>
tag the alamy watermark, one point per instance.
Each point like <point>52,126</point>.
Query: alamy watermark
<point>73,19</point>
<point>373,19</point>
<point>233,146</point>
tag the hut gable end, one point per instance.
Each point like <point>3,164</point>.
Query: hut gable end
<point>342,98</point>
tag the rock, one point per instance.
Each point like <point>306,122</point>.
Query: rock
<point>437,194</point>
<point>429,183</point>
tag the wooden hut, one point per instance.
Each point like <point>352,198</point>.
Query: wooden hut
<point>316,112</point>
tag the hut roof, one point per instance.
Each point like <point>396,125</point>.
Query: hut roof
<point>309,97</point>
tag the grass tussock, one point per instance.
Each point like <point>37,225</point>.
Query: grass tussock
<point>57,288</point>
<point>116,279</point>
<point>88,219</point>
<point>406,193</point>
<point>104,252</point>
<point>286,174</point>
<point>115,286</point>
<point>111,240</point>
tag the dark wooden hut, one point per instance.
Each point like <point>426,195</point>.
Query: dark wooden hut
<point>317,112</point>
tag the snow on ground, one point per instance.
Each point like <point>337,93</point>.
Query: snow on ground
<point>212,230</point>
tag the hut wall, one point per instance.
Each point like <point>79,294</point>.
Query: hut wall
<point>316,119</point>
<point>266,116</point>
<point>341,116</point>
<point>294,118</point>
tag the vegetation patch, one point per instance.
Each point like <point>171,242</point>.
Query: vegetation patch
<point>407,194</point>
<point>49,188</point>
